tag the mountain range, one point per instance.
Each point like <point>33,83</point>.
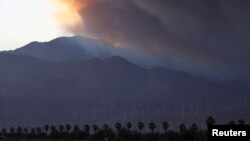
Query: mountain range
<point>77,79</point>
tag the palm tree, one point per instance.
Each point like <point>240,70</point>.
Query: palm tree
<point>105,127</point>
<point>86,128</point>
<point>152,126</point>
<point>129,125</point>
<point>12,131</point>
<point>68,127</point>
<point>39,131</point>
<point>182,128</point>
<point>95,128</point>
<point>33,131</point>
<point>46,128</point>
<point>194,128</point>
<point>61,128</point>
<point>210,121</point>
<point>26,131</point>
<point>140,125</point>
<point>165,126</point>
<point>4,131</point>
<point>53,130</point>
<point>19,130</point>
<point>241,122</point>
<point>231,123</point>
<point>118,126</point>
<point>76,129</point>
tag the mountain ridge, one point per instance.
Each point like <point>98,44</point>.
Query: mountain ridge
<point>63,49</point>
<point>50,89</point>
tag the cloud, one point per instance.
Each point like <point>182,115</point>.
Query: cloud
<point>200,36</point>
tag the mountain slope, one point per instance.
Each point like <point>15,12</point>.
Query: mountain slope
<point>66,49</point>
<point>104,89</point>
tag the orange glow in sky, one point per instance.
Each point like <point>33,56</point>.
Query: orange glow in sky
<point>67,12</point>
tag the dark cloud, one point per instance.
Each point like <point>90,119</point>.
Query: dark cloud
<point>201,36</point>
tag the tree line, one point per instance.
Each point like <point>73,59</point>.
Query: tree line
<point>115,133</point>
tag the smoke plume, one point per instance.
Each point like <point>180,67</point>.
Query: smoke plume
<point>199,36</point>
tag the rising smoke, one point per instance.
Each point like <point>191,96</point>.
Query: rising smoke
<point>208,37</point>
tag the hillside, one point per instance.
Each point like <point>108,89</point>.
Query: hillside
<point>33,90</point>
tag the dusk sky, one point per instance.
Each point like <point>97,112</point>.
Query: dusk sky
<point>24,21</point>
<point>195,35</point>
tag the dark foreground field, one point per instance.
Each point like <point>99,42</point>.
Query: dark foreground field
<point>117,132</point>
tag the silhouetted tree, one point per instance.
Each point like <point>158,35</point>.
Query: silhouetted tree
<point>4,132</point>
<point>46,128</point>
<point>61,128</point>
<point>26,131</point>
<point>19,130</point>
<point>210,121</point>
<point>231,123</point>
<point>118,126</point>
<point>86,128</point>
<point>76,129</point>
<point>165,126</point>
<point>33,132</point>
<point>241,122</point>
<point>95,128</point>
<point>129,125</point>
<point>140,125</point>
<point>68,127</point>
<point>53,129</point>
<point>39,131</point>
<point>182,128</point>
<point>191,134</point>
<point>12,130</point>
<point>152,126</point>
<point>194,128</point>
<point>105,126</point>
<point>54,132</point>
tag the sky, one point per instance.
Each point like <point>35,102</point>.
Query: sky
<point>23,21</point>
<point>208,36</point>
